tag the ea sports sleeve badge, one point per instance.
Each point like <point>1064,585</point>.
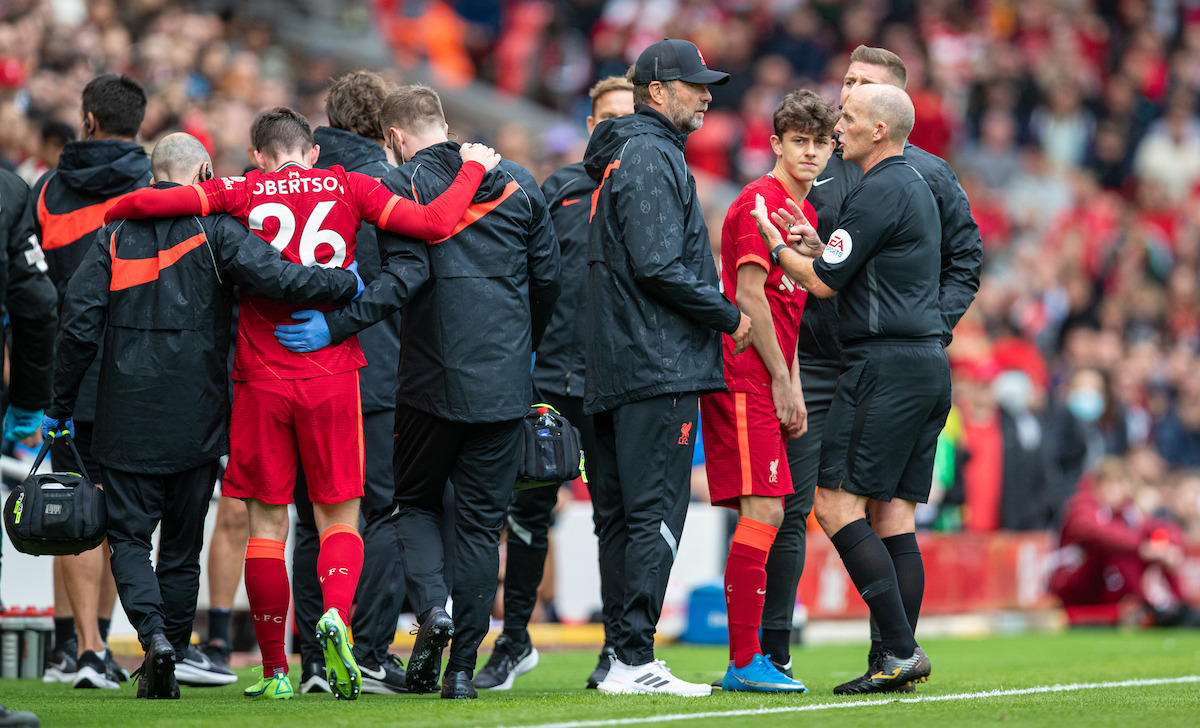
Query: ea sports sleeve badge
<point>839,247</point>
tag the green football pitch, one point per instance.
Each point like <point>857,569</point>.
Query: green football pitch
<point>1145,679</point>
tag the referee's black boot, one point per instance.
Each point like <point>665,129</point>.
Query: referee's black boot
<point>156,679</point>
<point>889,674</point>
<point>456,685</point>
<point>426,662</point>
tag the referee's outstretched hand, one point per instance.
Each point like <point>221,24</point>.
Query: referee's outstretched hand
<point>802,236</point>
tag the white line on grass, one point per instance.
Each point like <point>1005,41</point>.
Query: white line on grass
<point>868,703</point>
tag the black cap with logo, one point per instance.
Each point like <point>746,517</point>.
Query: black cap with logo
<point>670,60</point>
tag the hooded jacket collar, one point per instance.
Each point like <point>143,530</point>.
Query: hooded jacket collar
<point>443,160</point>
<point>611,135</point>
<point>103,168</point>
<point>347,149</point>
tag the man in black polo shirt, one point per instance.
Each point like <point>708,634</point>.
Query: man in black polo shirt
<point>893,393</point>
<point>820,353</point>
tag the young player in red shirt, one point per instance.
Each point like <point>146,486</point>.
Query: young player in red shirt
<point>305,408</point>
<point>746,429</point>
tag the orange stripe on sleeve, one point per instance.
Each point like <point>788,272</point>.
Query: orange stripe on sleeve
<point>204,207</point>
<point>265,548</point>
<point>755,534</point>
<point>743,435</point>
<point>337,528</point>
<point>753,258</point>
<point>387,211</point>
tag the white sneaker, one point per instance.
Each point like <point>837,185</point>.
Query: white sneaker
<point>92,673</point>
<point>653,677</point>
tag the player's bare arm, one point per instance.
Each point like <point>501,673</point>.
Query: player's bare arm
<point>799,424</point>
<point>798,267</point>
<point>752,300</point>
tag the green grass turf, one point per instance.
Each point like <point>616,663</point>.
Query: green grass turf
<point>553,692</point>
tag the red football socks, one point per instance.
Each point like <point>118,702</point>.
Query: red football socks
<point>745,587</point>
<point>269,594</point>
<point>338,567</point>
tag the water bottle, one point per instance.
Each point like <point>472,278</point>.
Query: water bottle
<point>32,649</point>
<point>10,645</point>
<point>545,445</point>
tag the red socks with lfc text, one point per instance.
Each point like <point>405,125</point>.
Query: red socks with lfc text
<point>745,587</point>
<point>338,567</point>
<point>269,594</point>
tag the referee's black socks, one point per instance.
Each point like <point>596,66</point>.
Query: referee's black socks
<point>870,567</point>
<point>910,573</point>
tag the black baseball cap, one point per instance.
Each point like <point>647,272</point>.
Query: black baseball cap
<point>670,60</point>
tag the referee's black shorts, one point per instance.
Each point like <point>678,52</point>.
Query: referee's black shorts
<point>892,399</point>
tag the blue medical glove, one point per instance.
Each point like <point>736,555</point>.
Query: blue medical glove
<point>20,423</point>
<point>52,428</point>
<point>353,268</point>
<point>305,337</point>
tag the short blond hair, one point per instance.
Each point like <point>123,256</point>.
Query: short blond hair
<point>413,108</point>
<point>607,86</point>
<point>885,59</point>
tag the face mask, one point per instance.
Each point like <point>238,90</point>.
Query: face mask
<point>1013,390</point>
<point>1086,404</point>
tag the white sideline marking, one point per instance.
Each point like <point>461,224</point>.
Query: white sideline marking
<point>867,703</point>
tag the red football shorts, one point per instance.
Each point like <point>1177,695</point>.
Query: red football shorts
<point>745,447</point>
<point>278,423</point>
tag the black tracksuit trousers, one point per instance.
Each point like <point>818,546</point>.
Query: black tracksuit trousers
<point>529,517</point>
<point>481,459</point>
<point>640,478</point>
<point>163,597</point>
<point>786,561</point>
<point>381,584</point>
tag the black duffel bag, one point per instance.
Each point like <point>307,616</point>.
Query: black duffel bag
<point>551,449</point>
<point>55,514</point>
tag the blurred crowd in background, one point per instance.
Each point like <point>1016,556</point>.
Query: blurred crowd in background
<point>1072,125</point>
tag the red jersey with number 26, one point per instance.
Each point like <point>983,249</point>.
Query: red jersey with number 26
<point>311,216</point>
<point>741,244</point>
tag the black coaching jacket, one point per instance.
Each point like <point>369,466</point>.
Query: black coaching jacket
<point>655,312</point>
<point>27,295</point>
<point>559,366</point>
<point>475,304</point>
<point>165,290</point>
<point>71,200</point>
<point>381,342</point>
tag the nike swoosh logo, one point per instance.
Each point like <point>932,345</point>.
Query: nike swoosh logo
<point>203,663</point>
<point>762,591</point>
<point>378,675</point>
<point>819,182</point>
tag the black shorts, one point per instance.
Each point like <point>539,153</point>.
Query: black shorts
<point>882,428</point>
<point>63,461</point>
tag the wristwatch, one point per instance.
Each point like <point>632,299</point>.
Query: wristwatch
<point>774,255</point>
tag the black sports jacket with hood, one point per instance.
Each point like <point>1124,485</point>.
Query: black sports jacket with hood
<point>655,312</point>
<point>474,305</point>
<point>71,201</point>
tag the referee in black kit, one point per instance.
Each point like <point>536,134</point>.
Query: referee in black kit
<point>893,393</point>
<point>820,355</point>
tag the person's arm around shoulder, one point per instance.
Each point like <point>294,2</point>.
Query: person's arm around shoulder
<point>544,263</point>
<point>84,313</point>
<point>650,208</point>
<point>213,196</point>
<point>259,270</point>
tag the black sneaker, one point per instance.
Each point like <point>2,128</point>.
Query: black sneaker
<point>196,670</point>
<point>784,667</point>
<point>93,673</point>
<point>888,674</point>
<point>457,686</point>
<point>115,672</point>
<point>17,718</point>
<point>217,653</point>
<point>156,677</point>
<point>62,664</point>
<point>425,664</point>
<point>602,666</point>
<point>508,662</point>
<point>313,679</point>
<point>386,679</point>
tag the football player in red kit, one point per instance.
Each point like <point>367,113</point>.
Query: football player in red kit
<point>304,408</point>
<point>746,429</point>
